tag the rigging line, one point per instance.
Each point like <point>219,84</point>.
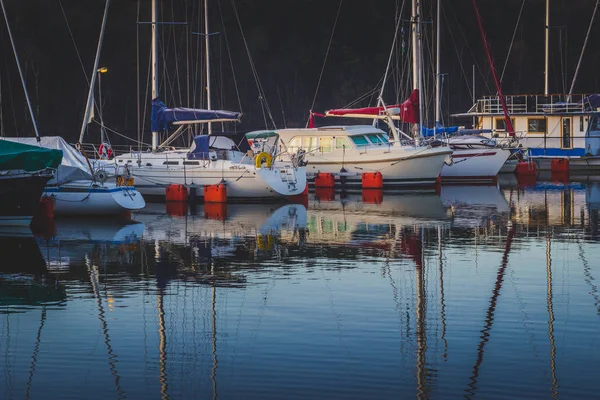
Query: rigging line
<point>466,41</point>
<point>583,48</point>
<point>175,56</point>
<point>326,54</point>
<point>261,91</point>
<point>387,68</point>
<point>512,41</point>
<point>137,74</point>
<point>119,134</point>
<point>237,91</point>
<point>12,42</point>
<point>74,43</point>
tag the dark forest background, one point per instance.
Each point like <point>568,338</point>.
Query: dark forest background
<point>287,41</point>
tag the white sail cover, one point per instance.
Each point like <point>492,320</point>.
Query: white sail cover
<point>73,166</point>
<point>221,142</point>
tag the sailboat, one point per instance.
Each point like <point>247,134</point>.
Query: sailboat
<point>208,160</point>
<point>475,158</point>
<point>552,126</point>
<point>78,189</point>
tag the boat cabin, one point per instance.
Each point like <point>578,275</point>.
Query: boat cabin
<point>547,125</point>
<point>332,139</point>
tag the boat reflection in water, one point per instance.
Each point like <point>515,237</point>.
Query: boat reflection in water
<point>477,292</point>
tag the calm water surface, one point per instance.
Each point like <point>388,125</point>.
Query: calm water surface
<point>479,292</point>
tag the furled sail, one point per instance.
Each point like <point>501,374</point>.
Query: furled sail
<point>163,117</point>
<point>407,112</point>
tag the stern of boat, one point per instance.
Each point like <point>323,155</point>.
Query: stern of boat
<point>285,180</point>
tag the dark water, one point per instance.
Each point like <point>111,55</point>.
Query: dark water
<point>480,292</point>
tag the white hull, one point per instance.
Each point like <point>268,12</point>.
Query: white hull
<point>87,198</point>
<point>402,166</point>
<point>475,165</point>
<point>243,181</point>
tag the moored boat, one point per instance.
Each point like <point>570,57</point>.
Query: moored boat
<point>77,190</point>
<point>348,151</point>
<point>24,172</point>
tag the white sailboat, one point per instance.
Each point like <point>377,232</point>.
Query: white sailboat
<point>77,192</point>
<point>202,164</point>
<point>475,158</point>
<point>76,188</point>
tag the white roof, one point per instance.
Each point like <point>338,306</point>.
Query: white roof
<point>341,130</point>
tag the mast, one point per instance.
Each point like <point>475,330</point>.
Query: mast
<point>12,42</point>
<point>90,100</point>
<point>154,63</point>
<point>206,42</point>
<point>438,86</point>
<point>416,50</point>
<point>547,49</point>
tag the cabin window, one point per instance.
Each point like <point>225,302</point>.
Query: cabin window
<point>310,143</point>
<point>383,138</point>
<point>191,163</point>
<point>341,143</point>
<point>171,163</point>
<point>536,125</point>
<point>359,140</point>
<point>581,123</point>
<point>374,138</point>
<point>501,124</point>
<point>120,160</point>
<point>326,144</point>
<point>295,144</point>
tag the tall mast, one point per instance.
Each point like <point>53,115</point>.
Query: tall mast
<point>90,100</point>
<point>12,42</point>
<point>547,49</point>
<point>154,63</point>
<point>206,42</point>
<point>438,74</point>
<point>416,44</point>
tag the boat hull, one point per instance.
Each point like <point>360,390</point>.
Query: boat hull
<point>475,165</point>
<point>19,197</point>
<point>244,182</point>
<point>406,168</point>
<point>87,198</point>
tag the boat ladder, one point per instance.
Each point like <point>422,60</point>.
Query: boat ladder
<point>288,174</point>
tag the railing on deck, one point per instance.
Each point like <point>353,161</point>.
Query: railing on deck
<point>533,104</point>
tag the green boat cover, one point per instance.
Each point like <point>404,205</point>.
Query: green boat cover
<point>261,135</point>
<point>19,156</point>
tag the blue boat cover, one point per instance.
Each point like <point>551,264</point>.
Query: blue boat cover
<point>427,132</point>
<point>199,149</point>
<point>163,117</point>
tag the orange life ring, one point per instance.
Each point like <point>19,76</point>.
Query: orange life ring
<point>105,150</point>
